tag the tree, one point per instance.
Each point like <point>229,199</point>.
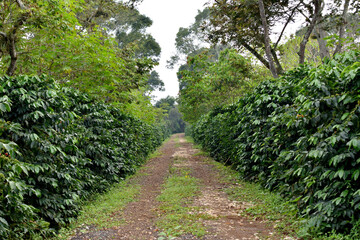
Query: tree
<point>267,39</point>
<point>209,84</point>
<point>172,116</point>
<point>103,12</point>
<point>154,82</point>
<point>76,52</point>
<point>176,123</point>
<point>20,18</point>
<point>166,103</point>
<point>130,27</point>
<point>342,26</point>
<point>191,40</point>
<point>239,23</point>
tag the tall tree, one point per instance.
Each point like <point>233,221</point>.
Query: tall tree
<point>239,23</point>
<point>315,13</point>
<point>18,20</point>
<point>208,84</point>
<point>173,117</point>
<point>342,26</point>
<point>155,83</point>
<point>130,29</point>
<point>191,40</point>
<point>70,41</point>
<point>267,39</point>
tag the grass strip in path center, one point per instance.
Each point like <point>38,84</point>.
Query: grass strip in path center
<point>176,215</point>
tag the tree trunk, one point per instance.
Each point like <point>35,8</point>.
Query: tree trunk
<point>279,68</point>
<point>342,26</point>
<point>267,40</point>
<point>255,53</point>
<point>13,55</point>
<point>315,17</point>
<point>320,35</point>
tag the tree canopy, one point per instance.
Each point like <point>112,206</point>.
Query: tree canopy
<point>241,24</point>
<point>73,42</point>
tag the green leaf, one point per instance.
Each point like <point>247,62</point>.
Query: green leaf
<point>354,143</point>
<point>344,193</point>
<point>53,149</point>
<point>356,174</point>
<point>333,140</point>
<point>340,174</point>
<point>12,185</point>
<point>4,107</point>
<point>337,201</point>
<point>3,221</point>
<point>344,116</point>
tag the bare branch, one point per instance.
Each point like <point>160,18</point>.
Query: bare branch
<point>3,34</point>
<point>300,11</point>
<point>21,5</point>
<point>254,52</point>
<point>287,22</point>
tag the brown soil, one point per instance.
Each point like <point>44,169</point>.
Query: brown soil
<point>140,216</point>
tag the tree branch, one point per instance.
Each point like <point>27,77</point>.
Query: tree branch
<point>255,53</point>
<point>315,17</point>
<point>342,27</point>
<point>300,11</point>
<point>279,68</point>
<point>21,5</point>
<point>287,22</point>
<point>3,34</point>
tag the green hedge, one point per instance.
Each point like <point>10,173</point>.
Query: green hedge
<point>299,135</point>
<point>58,147</point>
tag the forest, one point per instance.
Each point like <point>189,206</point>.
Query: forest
<point>78,114</point>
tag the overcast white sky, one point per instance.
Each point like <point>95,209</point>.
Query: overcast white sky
<point>168,16</point>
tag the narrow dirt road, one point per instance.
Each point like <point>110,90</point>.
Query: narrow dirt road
<point>223,220</point>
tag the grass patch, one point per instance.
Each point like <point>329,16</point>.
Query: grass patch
<point>177,217</point>
<point>177,141</point>
<point>103,211</point>
<point>189,139</point>
<point>268,206</point>
<point>155,154</point>
<point>201,153</point>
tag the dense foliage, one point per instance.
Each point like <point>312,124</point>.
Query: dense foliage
<point>210,81</point>
<point>58,146</point>
<point>243,24</point>
<point>299,135</point>
<point>172,116</point>
<point>74,43</point>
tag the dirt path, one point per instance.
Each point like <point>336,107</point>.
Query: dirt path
<point>141,215</point>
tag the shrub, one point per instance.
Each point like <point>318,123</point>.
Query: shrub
<point>298,135</point>
<point>58,147</point>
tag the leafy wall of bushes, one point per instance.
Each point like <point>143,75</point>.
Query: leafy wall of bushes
<point>58,147</point>
<point>299,135</point>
